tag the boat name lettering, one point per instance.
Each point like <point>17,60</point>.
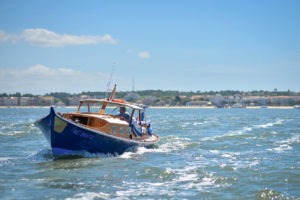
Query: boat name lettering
<point>82,134</point>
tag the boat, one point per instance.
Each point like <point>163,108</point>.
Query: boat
<point>95,128</point>
<point>237,105</point>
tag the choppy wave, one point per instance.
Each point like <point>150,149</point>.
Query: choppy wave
<point>285,145</point>
<point>171,144</point>
<point>281,148</point>
<point>202,154</point>
<point>244,130</point>
<point>17,129</point>
<point>6,161</point>
<point>89,195</point>
<point>270,124</point>
<point>267,194</point>
<point>294,139</point>
<point>153,189</point>
<point>183,180</point>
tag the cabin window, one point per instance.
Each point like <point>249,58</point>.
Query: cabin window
<point>114,130</point>
<point>122,131</point>
<point>128,131</point>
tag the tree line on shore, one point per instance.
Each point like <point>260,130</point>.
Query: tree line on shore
<point>160,93</point>
<point>163,97</point>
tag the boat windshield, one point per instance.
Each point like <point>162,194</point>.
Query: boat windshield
<point>116,110</point>
<point>89,107</point>
<point>110,108</point>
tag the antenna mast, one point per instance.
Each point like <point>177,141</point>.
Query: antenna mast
<point>109,81</point>
<point>132,84</point>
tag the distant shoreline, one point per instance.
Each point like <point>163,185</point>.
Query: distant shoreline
<point>165,107</point>
<point>212,107</point>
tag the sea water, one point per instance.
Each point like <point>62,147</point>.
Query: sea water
<point>202,154</point>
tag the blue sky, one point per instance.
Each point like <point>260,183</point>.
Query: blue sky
<point>201,45</point>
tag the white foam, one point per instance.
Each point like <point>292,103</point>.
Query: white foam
<point>231,155</point>
<point>270,124</point>
<point>175,145</point>
<point>206,181</point>
<point>168,170</point>
<point>12,133</point>
<point>204,139</point>
<point>199,123</point>
<point>215,151</point>
<point>295,139</point>
<point>281,148</point>
<point>227,155</point>
<point>201,184</point>
<point>126,155</point>
<point>254,163</point>
<point>239,132</point>
<point>230,134</point>
<point>6,158</point>
<point>279,121</point>
<point>285,145</point>
<point>222,165</point>
<point>188,178</point>
<point>247,129</point>
<point>140,151</point>
<point>185,178</point>
<point>89,196</point>
<point>265,125</point>
<point>132,189</point>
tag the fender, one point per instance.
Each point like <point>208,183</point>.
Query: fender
<point>119,100</point>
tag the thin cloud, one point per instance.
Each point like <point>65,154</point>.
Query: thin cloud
<point>129,51</point>
<point>39,79</point>
<point>144,55</point>
<point>46,38</point>
<point>5,37</point>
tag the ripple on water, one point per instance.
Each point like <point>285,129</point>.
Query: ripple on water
<point>267,194</point>
<point>202,154</point>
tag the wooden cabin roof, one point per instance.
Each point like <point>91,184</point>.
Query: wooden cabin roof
<point>111,102</point>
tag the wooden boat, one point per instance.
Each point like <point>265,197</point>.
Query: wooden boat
<point>97,131</point>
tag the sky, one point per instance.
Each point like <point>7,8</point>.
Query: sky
<point>186,45</point>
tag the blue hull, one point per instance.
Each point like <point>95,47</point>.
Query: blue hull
<point>68,138</point>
